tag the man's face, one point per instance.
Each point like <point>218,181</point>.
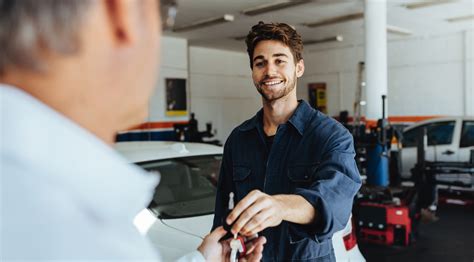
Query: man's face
<point>274,70</point>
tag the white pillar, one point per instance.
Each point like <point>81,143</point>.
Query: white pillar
<point>468,89</point>
<point>375,57</point>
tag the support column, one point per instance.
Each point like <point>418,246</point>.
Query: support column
<point>375,56</point>
<point>468,71</point>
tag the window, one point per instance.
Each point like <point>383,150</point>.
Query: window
<point>187,185</point>
<point>440,133</point>
<point>410,137</point>
<point>467,134</point>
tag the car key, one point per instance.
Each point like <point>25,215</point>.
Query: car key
<point>230,206</point>
<point>237,246</point>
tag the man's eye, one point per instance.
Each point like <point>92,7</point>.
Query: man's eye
<point>259,64</point>
<point>278,61</point>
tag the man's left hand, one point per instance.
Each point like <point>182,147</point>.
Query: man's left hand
<point>255,212</point>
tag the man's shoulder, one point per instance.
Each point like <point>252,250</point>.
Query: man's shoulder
<point>245,126</point>
<point>330,121</point>
<point>51,214</point>
<point>322,123</point>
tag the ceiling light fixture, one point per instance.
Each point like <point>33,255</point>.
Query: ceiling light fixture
<point>391,29</point>
<point>427,4</point>
<point>460,18</point>
<point>337,38</point>
<point>204,23</point>
<point>239,38</point>
<point>273,7</point>
<point>336,20</point>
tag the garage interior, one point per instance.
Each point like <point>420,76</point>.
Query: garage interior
<point>397,74</point>
<point>426,53</point>
<point>421,61</point>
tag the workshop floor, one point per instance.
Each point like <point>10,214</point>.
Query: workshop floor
<point>451,239</point>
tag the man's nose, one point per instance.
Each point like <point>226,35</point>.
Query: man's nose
<point>270,69</point>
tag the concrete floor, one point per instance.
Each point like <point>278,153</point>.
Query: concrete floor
<point>451,239</point>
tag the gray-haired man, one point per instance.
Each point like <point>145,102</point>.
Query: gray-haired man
<point>72,74</point>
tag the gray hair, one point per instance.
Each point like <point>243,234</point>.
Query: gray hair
<point>29,26</point>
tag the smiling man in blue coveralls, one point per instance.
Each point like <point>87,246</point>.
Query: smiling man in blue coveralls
<point>291,167</point>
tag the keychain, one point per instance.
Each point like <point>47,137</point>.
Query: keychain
<point>237,244</point>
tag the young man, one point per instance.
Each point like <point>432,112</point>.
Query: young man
<point>72,74</point>
<point>291,168</point>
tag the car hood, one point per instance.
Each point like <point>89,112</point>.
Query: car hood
<point>198,226</point>
<point>173,237</point>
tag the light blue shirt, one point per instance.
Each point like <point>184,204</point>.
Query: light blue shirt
<point>65,194</point>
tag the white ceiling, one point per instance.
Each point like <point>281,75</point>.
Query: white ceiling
<point>423,22</point>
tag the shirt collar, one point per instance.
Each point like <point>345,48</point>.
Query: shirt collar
<point>298,120</point>
<point>70,157</point>
<point>252,122</point>
<point>301,116</point>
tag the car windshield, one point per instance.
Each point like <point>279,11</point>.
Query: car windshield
<point>187,186</point>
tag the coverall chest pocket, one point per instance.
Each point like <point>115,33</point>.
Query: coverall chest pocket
<point>242,180</point>
<point>302,175</point>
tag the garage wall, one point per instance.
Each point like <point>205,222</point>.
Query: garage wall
<point>174,64</point>
<point>426,76</point>
<point>221,91</point>
<point>158,126</point>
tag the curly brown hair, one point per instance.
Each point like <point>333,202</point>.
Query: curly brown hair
<point>274,31</point>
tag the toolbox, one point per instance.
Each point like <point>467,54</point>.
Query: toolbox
<point>382,223</point>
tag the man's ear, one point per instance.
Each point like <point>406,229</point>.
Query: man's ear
<point>300,68</point>
<point>121,19</point>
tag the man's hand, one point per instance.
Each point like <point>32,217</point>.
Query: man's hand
<point>254,250</point>
<point>210,247</point>
<point>213,250</point>
<point>256,212</point>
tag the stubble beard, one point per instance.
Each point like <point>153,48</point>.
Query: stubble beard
<point>278,94</point>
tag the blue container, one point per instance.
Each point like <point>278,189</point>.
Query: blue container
<point>377,166</point>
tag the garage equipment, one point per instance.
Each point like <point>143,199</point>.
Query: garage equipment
<point>189,132</point>
<point>358,99</point>
<point>384,215</point>
<point>427,182</point>
<point>455,192</point>
<point>377,154</point>
<point>386,224</point>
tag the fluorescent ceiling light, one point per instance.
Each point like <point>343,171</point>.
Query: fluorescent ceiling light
<point>273,7</point>
<point>204,23</point>
<point>391,29</point>
<point>337,38</point>
<point>424,4</point>
<point>239,38</point>
<point>460,18</point>
<point>336,20</point>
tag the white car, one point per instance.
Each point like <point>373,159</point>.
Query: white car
<point>449,139</point>
<point>181,212</point>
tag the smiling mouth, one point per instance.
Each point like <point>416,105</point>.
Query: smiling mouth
<point>271,83</point>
